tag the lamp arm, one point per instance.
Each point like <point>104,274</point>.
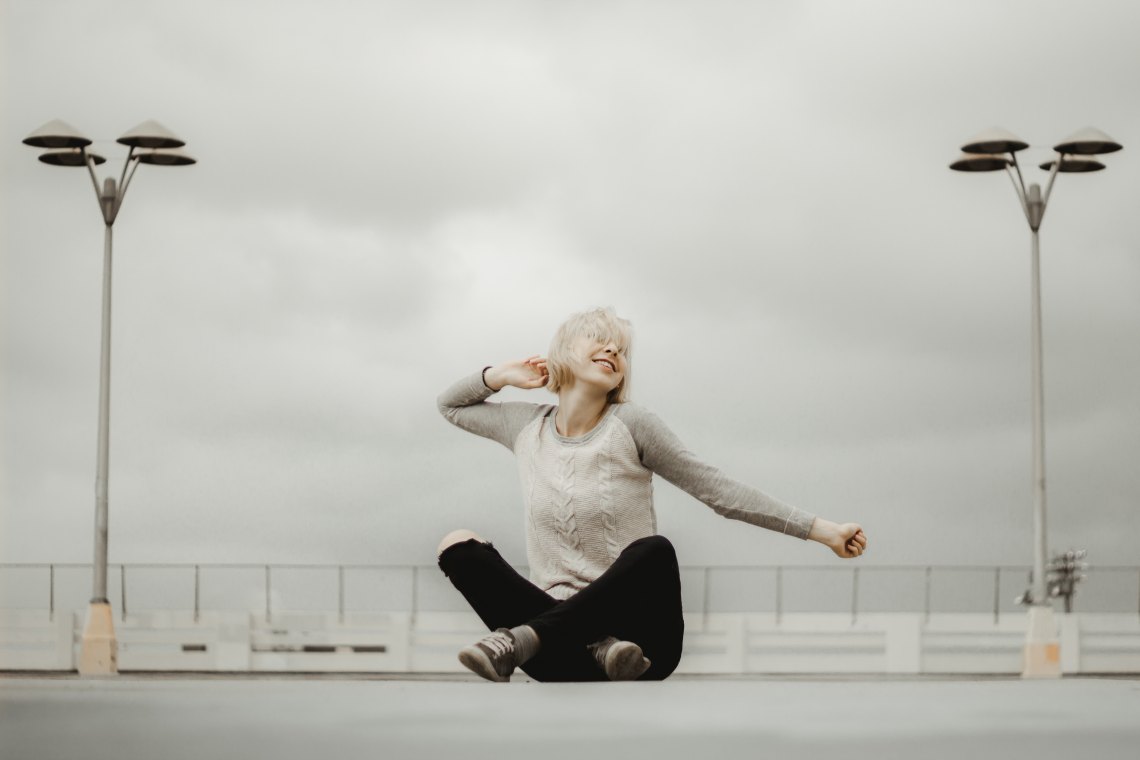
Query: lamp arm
<point>123,175</point>
<point>125,182</point>
<point>1019,188</point>
<point>1017,168</point>
<point>1052,176</point>
<point>90,164</point>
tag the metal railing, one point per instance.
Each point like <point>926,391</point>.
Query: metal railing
<point>268,589</point>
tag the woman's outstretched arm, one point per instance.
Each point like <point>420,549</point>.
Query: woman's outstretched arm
<point>664,453</point>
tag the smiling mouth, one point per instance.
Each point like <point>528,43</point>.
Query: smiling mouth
<point>606,363</point>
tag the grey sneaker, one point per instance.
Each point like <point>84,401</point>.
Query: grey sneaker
<point>621,660</point>
<point>492,657</point>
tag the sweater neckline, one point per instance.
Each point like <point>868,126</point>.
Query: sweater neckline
<point>585,437</point>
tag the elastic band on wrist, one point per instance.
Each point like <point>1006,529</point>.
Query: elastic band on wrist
<point>485,379</point>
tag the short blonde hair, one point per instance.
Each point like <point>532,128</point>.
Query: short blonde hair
<point>602,325</point>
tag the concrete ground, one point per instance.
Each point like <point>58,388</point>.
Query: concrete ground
<point>169,717</point>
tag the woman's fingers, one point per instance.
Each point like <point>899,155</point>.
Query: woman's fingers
<point>537,364</point>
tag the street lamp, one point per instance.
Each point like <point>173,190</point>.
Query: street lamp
<point>149,143</point>
<point>996,150</point>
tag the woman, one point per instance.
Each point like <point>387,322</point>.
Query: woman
<point>604,597</point>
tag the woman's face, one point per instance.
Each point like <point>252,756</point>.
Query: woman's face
<point>600,364</point>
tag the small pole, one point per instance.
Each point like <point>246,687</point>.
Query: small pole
<point>415,594</point>
<point>196,592</point>
<point>705,601</point>
<point>779,592</point>
<point>997,593</point>
<point>926,597</point>
<point>123,590</point>
<point>340,593</point>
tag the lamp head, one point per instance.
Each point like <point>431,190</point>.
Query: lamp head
<point>980,162</point>
<point>1088,142</point>
<point>1074,165</point>
<point>70,157</point>
<point>151,134</point>
<point>995,140</point>
<point>56,134</point>
<point>166,157</point>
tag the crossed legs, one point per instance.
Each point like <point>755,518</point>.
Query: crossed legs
<point>637,599</point>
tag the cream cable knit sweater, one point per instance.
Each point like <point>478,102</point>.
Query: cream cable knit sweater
<point>589,497</point>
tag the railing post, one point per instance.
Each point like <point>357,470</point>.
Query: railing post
<point>123,590</point>
<point>267,587</point>
<point>779,592</point>
<point>997,593</point>
<point>926,598</point>
<point>415,594</point>
<point>340,593</point>
<point>854,594</point>
<point>705,601</point>
<point>196,592</point>
<point>51,592</point>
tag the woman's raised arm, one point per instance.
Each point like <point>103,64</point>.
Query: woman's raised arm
<point>464,404</point>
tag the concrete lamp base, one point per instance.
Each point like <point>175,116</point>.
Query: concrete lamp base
<point>99,653</point>
<point>1042,657</point>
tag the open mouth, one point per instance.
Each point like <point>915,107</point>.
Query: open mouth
<point>606,363</point>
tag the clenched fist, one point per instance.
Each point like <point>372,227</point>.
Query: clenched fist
<point>847,540</point>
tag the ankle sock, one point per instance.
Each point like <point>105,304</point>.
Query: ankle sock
<point>526,643</point>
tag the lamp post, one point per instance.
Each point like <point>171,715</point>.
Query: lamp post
<point>996,150</point>
<point>148,143</point>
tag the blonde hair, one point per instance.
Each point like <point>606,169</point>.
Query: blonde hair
<point>602,325</point>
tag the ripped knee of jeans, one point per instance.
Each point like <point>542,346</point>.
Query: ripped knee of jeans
<point>461,547</point>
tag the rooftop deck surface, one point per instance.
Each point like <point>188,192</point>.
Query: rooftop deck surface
<point>290,717</point>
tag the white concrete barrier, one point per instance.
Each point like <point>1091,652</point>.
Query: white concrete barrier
<point>35,640</point>
<point>725,643</point>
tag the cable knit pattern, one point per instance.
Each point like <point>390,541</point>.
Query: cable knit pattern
<point>589,497</point>
<point>563,511</point>
<point>606,500</point>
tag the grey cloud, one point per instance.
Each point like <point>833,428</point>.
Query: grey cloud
<point>391,194</point>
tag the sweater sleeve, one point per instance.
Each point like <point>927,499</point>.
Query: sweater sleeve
<point>664,453</point>
<point>464,404</point>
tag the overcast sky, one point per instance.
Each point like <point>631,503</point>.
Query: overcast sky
<point>393,194</point>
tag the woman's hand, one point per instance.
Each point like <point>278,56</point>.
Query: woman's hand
<point>525,373</point>
<point>847,540</point>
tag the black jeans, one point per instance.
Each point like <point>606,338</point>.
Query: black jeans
<point>637,599</point>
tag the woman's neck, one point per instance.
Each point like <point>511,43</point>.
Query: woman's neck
<point>579,411</point>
